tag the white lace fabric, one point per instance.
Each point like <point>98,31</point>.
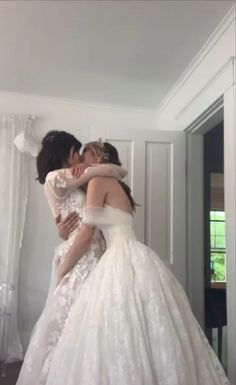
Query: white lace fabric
<point>131,323</point>
<point>64,197</point>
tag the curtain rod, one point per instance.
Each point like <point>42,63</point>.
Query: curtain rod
<point>30,116</point>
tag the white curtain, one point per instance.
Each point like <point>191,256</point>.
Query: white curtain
<point>14,175</point>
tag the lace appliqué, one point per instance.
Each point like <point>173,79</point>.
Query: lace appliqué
<point>49,327</point>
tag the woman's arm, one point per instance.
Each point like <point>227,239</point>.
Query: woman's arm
<point>78,248</point>
<point>96,193</point>
<point>68,224</point>
<point>101,169</point>
<point>61,182</point>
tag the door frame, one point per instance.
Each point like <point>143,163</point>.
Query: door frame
<point>216,101</point>
<point>195,205</point>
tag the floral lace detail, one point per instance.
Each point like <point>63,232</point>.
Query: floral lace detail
<point>63,199</point>
<point>51,323</point>
<point>55,314</point>
<point>62,193</point>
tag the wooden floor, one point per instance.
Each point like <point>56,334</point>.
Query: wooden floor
<point>11,375</point>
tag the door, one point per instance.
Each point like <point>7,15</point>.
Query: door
<point>155,161</point>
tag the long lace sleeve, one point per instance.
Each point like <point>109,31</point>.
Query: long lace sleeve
<point>60,183</point>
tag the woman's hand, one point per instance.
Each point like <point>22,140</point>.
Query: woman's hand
<point>62,277</point>
<point>78,169</point>
<point>68,224</point>
<point>79,247</point>
<point>59,277</point>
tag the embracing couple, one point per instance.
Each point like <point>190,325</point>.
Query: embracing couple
<point>115,314</point>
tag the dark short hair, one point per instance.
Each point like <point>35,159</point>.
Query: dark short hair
<point>56,146</point>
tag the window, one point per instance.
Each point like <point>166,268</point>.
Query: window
<point>218,255</point>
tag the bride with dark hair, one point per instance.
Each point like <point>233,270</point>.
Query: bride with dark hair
<point>60,151</point>
<point>131,322</point>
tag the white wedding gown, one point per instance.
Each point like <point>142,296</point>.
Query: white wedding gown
<point>64,197</point>
<point>131,322</point>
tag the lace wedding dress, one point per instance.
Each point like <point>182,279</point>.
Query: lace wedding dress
<point>64,197</point>
<point>131,322</point>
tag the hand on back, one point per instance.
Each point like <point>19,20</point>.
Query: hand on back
<point>67,225</point>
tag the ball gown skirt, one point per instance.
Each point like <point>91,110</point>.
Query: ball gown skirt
<point>131,323</point>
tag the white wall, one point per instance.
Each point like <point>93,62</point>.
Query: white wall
<point>56,113</point>
<point>40,236</point>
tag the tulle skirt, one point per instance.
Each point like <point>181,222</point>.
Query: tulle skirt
<point>131,324</point>
<point>49,327</point>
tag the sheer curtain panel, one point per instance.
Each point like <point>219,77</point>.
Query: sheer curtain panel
<point>13,201</point>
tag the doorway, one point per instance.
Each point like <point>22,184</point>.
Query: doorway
<point>218,97</point>
<point>215,320</point>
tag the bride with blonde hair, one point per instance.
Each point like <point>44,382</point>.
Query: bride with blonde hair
<point>131,322</point>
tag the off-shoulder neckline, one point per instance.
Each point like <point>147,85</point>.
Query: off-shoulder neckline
<point>111,207</point>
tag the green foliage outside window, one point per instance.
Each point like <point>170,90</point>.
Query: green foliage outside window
<point>218,256</point>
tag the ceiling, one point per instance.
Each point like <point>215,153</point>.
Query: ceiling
<point>115,52</point>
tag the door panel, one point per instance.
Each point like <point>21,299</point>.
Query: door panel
<point>158,233</point>
<point>155,161</point>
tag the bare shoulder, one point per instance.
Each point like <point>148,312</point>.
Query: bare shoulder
<point>97,190</point>
<point>98,182</point>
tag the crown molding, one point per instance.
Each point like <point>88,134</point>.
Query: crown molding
<point>209,100</point>
<point>77,103</point>
<point>227,66</point>
<point>210,43</point>
<point>209,118</point>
